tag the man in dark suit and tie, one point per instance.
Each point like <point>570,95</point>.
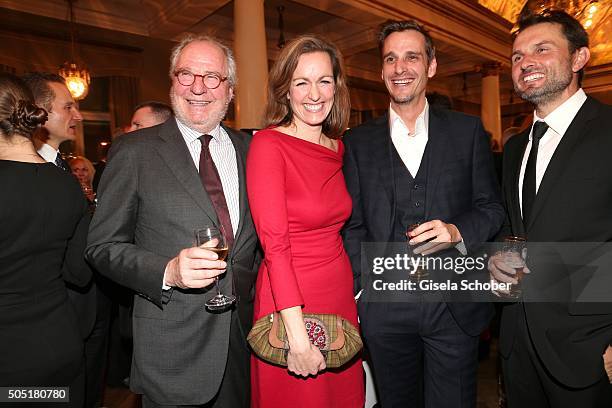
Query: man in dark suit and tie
<point>420,164</point>
<point>556,188</point>
<point>51,93</point>
<point>160,185</point>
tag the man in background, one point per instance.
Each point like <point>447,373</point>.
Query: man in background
<point>145,115</point>
<point>149,114</point>
<point>51,93</point>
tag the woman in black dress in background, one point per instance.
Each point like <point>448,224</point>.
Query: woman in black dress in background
<point>43,230</point>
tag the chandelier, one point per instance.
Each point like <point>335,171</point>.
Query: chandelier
<point>281,28</point>
<point>590,13</point>
<point>594,15</point>
<point>77,78</point>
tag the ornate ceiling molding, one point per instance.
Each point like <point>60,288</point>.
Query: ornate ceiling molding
<point>126,18</point>
<point>173,18</point>
<point>461,23</point>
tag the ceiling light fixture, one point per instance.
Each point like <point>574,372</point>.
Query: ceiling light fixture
<point>77,78</point>
<point>281,27</point>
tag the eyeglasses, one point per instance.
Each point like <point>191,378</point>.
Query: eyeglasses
<point>211,80</point>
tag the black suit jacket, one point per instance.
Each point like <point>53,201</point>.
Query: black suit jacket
<point>573,204</point>
<point>461,189</point>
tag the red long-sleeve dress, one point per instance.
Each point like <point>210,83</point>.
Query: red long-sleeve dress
<point>299,203</point>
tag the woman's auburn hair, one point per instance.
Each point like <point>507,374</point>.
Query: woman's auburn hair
<point>278,107</point>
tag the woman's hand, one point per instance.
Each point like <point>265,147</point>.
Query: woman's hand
<point>90,196</point>
<point>88,192</point>
<point>305,360</point>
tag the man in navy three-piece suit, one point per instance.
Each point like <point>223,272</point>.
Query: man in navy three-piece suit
<point>433,167</point>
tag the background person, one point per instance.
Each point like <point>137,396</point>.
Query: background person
<point>84,171</point>
<point>40,343</point>
<point>91,305</point>
<point>148,114</point>
<point>51,93</point>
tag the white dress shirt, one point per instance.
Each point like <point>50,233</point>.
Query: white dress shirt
<point>410,145</point>
<point>223,154</point>
<point>558,121</point>
<point>48,153</point>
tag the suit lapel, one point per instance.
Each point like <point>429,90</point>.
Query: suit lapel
<point>176,155</point>
<point>241,152</point>
<point>563,154</point>
<point>438,136</point>
<point>377,154</point>
<point>381,149</point>
<point>514,176</point>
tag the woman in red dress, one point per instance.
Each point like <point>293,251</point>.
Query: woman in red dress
<point>299,203</point>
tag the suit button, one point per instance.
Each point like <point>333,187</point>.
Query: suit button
<point>416,186</point>
<point>233,261</point>
<point>417,204</point>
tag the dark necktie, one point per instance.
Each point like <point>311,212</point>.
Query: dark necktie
<point>212,184</point>
<point>61,163</point>
<point>529,179</point>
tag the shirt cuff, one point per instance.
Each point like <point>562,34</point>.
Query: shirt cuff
<point>164,286</point>
<point>358,295</point>
<point>461,248</point>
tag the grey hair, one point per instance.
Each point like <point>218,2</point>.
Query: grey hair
<point>190,38</point>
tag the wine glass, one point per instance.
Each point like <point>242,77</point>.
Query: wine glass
<point>213,239</point>
<point>514,252</point>
<point>419,272</point>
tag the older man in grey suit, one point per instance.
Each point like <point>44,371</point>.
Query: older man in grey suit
<point>161,184</point>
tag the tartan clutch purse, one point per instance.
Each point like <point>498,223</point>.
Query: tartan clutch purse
<point>337,339</point>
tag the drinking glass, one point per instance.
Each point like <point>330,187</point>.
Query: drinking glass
<point>419,273</point>
<point>213,239</point>
<point>514,253</point>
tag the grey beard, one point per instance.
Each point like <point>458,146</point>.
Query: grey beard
<point>204,125</point>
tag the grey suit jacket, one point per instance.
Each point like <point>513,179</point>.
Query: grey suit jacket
<point>151,200</point>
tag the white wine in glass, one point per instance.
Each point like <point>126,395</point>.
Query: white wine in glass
<point>213,239</point>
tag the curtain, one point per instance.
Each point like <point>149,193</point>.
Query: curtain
<point>123,97</point>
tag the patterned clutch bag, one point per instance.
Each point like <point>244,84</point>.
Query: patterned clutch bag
<point>337,339</point>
